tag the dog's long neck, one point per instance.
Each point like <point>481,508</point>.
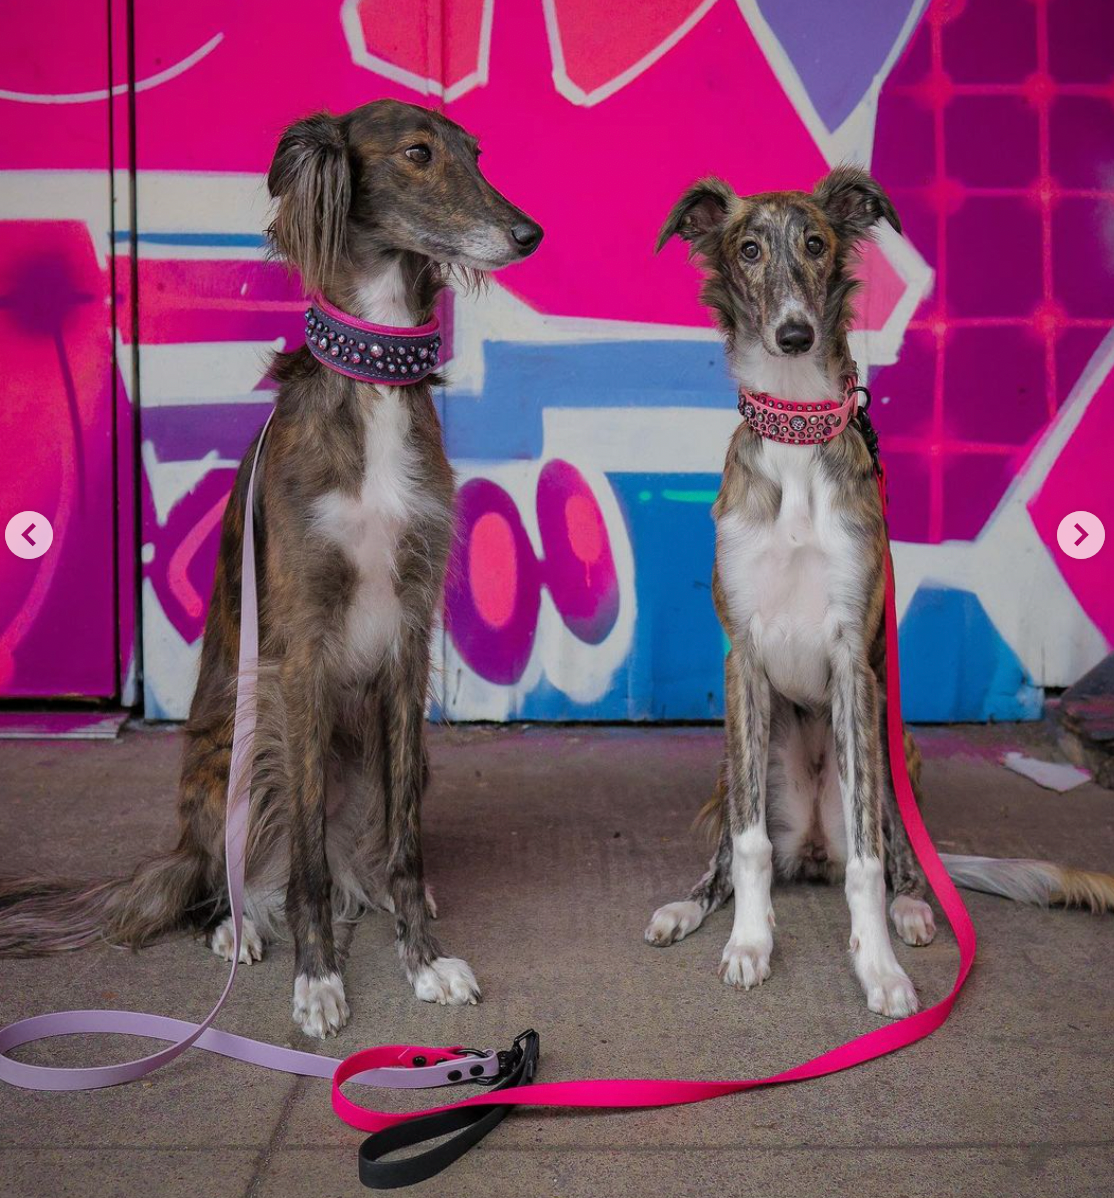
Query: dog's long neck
<point>398,290</point>
<point>385,298</point>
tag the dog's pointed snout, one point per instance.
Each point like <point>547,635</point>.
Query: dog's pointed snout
<point>527,235</point>
<point>795,337</point>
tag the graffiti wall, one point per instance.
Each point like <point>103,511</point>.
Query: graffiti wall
<point>67,619</point>
<point>588,408</point>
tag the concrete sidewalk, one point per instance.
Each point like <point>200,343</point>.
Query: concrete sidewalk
<point>548,850</point>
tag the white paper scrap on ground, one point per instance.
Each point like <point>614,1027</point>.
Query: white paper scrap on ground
<point>1052,775</point>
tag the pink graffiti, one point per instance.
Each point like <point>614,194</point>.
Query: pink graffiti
<point>57,614</point>
<point>493,569</point>
<point>444,47</point>
<point>187,300</point>
<point>606,230</point>
<point>192,600</point>
<point>495,581</point>
<point>580,570</point>
<point>1080,481</point>
<point>185,551</point>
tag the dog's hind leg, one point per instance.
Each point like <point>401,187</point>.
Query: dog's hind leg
<point>675,921</point>
<point>319,1005</point>
<point>855,726</point>
<point>434,976</point>
<point>912,916</point>
<point>746,956</point>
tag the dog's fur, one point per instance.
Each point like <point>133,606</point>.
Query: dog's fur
<point>354,502</point>
<point>801,543</point>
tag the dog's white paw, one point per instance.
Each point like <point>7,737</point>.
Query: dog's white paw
<point>888,989</point>
<point>448,981</point>
<point>746,964</point>
<point>223,941</point>
<point>673,922</point>
<point>913,919</point>
<point>319,1006</point>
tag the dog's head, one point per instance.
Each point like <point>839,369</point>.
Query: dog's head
<point>387,179</point>
<point>777,262</point>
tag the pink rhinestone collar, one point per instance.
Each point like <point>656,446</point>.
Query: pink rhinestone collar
<point>790,422</point>
<point>372,353</point>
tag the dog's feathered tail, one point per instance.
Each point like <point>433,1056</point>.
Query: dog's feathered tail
<point>1042,883</point>
<point>712,816</point>
<point>38,916</point>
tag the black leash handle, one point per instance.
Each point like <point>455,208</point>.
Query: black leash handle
<point>471,1124</point>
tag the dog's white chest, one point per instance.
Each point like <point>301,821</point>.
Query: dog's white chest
<point>791,583</point>
<point>368,526</point>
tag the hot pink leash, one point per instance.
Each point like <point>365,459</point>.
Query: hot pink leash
<point>630,1092</point>
<point>412,1066</point>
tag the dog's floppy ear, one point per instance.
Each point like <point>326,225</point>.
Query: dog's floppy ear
<point>311,177</point>
<point>854,202</point>
<point>699,211</point>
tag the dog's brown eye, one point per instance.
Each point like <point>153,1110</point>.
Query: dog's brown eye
<point>750,250</point>
<point>815,246</point>
<point>419,154</point>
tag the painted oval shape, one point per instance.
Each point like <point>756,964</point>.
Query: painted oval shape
<point>493,569</point>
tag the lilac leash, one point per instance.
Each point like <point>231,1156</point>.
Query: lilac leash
<point>397,1066</point>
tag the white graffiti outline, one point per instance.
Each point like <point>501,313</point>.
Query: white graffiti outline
<point>1011,567</point>
<point>854,139</point>
<point>572,91</point>
<point>119,89</point>
<point>362,57</point>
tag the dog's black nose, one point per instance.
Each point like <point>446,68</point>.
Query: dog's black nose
<point>795,337</point>
<point>528,235</point>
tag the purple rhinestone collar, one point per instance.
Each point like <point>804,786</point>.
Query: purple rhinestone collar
<point>372,353</point>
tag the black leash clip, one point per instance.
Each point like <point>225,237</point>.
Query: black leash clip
<point>866,426</point>
<point>521,1058</point>
<point>465,1127</point>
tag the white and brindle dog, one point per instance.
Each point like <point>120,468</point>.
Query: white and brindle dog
<point>799,582</point>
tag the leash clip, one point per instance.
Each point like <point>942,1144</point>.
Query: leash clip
<point>862,405</point>
<point>524,1053</point>
<point>866,426</point>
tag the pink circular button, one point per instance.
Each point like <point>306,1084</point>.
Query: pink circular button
<point>29,535</point>
<point>1080,535</point>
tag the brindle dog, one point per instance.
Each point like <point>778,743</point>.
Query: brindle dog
<point>805,783</point>
<point>354,503</point>
<point>798,587</point>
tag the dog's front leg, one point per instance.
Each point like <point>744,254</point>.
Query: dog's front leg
<point>319,1004</point>
<point>435,977</point>
<point>746,957</point>
<point>912,916</point>
<point>859,760</point>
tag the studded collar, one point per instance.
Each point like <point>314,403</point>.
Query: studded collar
<point>372,353</point>
<point>791,422</point>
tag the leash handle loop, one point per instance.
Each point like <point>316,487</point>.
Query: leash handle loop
<point>470,1125</point>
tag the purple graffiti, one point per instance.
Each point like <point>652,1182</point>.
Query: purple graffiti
<point>495,579</point>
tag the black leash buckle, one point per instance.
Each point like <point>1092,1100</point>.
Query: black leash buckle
<point>465,1127</point>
